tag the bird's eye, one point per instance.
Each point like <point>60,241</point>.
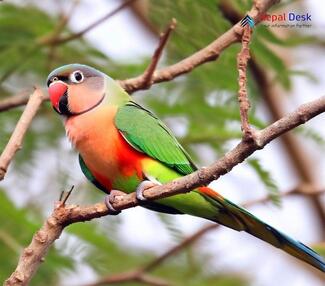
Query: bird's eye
<point>77,77</point>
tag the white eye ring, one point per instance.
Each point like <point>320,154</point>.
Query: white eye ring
<point>77,77</point>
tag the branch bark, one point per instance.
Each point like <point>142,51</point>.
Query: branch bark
<point>17,136</point>
<point>244,104</point>
<point>63,215</point>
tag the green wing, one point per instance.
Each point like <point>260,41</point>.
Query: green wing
<point>147,134</point>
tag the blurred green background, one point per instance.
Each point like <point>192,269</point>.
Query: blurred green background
<point>200,107</point>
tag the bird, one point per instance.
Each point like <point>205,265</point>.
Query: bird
<point>125,148</point>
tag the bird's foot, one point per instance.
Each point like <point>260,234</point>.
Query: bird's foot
<point>141,188</point>
<point>109,200</point>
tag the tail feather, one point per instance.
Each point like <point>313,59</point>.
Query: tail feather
<point>237,218</point>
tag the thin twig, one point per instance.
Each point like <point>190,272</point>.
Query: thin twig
<point>152,281</point>
<point>68,194</point>
<point>244,104</point>
<point>64,215</point>
<point>17,136</point>
<point>61,196</point>
<point>299,190</point>
<point>186,242</point>
<point>131,276</point>
<point>140,272</point>
<point>61,25</point>
<point>54,41</point>
<point>15,100</point>
<point>148,74</point>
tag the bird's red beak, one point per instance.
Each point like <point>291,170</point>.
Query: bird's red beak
<point>56,91</point>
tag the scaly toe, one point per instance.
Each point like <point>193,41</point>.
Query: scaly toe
<point>142,187</point>
<point>109,199</point>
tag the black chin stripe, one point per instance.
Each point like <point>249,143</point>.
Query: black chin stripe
<point>63,105</point>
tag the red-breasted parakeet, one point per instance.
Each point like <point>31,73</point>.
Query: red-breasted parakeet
<point>122,146</point>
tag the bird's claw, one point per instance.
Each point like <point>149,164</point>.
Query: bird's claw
<point>109,199</point>
<point>141,188</point>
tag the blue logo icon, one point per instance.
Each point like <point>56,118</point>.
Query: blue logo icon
<point>247,20</point>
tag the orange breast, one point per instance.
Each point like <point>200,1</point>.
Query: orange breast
<point>104,150</point>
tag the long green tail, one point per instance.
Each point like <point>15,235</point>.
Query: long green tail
<point>237,218</point>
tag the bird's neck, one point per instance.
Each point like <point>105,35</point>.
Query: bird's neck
<point>115,94</point>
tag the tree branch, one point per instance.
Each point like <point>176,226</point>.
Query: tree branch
<point>63,215</point>
<point>15,101</point>
<point>158,260</point>
<point>206,54</point>
<point>299,190</point>
<point>148,74</point>
<point>17,136</point>
<point>53,39</point>
<point>64,19</point>
<point>116,278</point>
<point>131,276</point>
<point>177,248</point>
<point>244,104</point>
<point>298,156</point>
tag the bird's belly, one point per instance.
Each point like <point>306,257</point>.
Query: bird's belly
<point>114,165</point>
<point>110,159</point>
